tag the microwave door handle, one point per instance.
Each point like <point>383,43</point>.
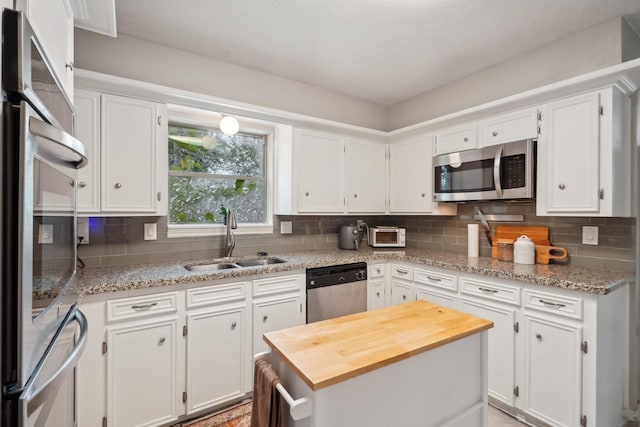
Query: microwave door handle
<point>33,398</point>
<point>496,172</point>
<point>44,130</point>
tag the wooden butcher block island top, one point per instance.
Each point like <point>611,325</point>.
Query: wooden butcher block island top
<point>331,351</point>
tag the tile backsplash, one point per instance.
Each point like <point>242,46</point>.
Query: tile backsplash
<point>119,240</point>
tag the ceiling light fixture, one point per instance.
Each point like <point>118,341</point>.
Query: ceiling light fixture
<point>229,125</point>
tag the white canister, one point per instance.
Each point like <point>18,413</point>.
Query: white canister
<point>524,251</point>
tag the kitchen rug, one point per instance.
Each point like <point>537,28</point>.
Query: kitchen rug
<point>236,416</point>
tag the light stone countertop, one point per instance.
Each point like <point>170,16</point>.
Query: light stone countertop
<point>100,280</point>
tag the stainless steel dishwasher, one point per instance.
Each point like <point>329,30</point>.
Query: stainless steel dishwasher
<point>336,291</point>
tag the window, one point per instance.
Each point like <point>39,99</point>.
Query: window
<point>210,172</point>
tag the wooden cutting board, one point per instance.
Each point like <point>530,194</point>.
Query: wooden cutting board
<point>539,234</point>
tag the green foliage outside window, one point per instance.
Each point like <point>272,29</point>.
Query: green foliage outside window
<point>210,173</point>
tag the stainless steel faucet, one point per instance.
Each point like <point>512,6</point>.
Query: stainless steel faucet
<point>230,241</point>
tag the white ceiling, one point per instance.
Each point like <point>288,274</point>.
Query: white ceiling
<point>383,51</point>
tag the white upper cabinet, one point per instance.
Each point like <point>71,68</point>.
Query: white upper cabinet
<point>584,156</point>
<point>320,166</point>
<point>456,138</point>
<point>365,174</point>
<point>509,127</point>
<point>411,178</point>
<point>52,21</point>
<point>126,139</point>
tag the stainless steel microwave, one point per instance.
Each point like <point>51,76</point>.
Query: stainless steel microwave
<point>497,172</point>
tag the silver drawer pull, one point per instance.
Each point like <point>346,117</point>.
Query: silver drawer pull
<point>434,279</point>
<point>233,325</point>
<point>404,297</point>
<point>402,271</point>
<point>488,291</point>
<point>552,304</point>
<point>144,306</point>
<point>539,337</point>
<point>162,340</point>
<point>264,319</point>
<point>82,184</point>
<point>377,294</point>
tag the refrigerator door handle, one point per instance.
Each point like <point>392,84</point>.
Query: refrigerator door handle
<point>34,397</point>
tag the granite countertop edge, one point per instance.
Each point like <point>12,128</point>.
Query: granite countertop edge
<point>99,280</point>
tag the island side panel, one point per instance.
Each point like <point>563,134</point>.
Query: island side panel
<point>444,385</point>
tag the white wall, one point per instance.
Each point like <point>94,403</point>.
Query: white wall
<point>630,42</point>
<point>592,49</point>
<point>141,60</point>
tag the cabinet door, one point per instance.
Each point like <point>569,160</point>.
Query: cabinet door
<point>52,20</point>
<point>365,174</point>
<point>552,371</point>
<point>401,291</point>
<point>411,175</point>
<point>568,156</point>
<point>272,315</point>
<point>458,138</point>
<point>142,374</point>
<point>509,127</point>
<point>217,356</point>
<point>502,362</point>
<point>375,294</point>
<point>437,297</point>
<point>129,154</point>
<point>87,105</point>
<point>320,169</point>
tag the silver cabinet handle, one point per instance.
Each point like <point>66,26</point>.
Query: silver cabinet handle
<point>539,337</point>
<point>404,297</point>
<point>69,65</point>
<point>434,279</point>
<point>117,186</point>
<point>552,304</point>
<point>355,196</point>
<point>466,139</point>
<point>162,340</point>
<point>264,319</point>
<point>159,196</point>
<point>144,306</point>
<point>44,130</point>
<point>377,294</point>
<point>306,193</point>
<point>233,325</point>
<point>82,184</point>
<point>401,271</point>
<point>489,291</point>
<point>159,120</point>
<point>494,133</point>
<point>562,186</point>
<point>422,194</point>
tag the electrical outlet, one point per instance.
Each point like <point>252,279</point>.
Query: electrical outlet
<point>83,231</point>
<point>151,231</point>
<point>589,234</point>
<point>286,227</point>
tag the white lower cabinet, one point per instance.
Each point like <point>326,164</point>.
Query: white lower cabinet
<point>436,287</point>
<point>142,350</point>
<point>154,359</point>
<point>402,287</point>
<point>552,371</point>
<point>376,286</point>
<point>218,328</point>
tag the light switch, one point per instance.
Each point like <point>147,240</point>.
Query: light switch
<point>286,227</point>
<point>150,231</point>
<point>589,234</point>
<point>45,234</point>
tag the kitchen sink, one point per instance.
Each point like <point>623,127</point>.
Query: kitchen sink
<point>215,266</point>
<point>260,262</point>
<point>211,267</point>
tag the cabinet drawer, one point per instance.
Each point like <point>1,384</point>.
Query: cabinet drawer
<point>510,127</point>
<point>276,285</point>
<point>376,270</point>
<point>491,291</point>
<point>216,294</point>
<point>402,272</point>
<point>436,279</point>
<point>554,304</point>
<point>135,307</point>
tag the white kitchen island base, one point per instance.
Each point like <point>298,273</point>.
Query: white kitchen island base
<point>445,387</point>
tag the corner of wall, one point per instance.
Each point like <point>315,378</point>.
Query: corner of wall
<point>630,38</point>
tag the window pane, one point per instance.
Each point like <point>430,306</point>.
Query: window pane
<point>208,151</point>
<point>199,200</point>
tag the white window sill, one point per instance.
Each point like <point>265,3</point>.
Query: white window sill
<point>201,230</point>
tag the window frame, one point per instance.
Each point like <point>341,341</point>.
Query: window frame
<point>188,116</point>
